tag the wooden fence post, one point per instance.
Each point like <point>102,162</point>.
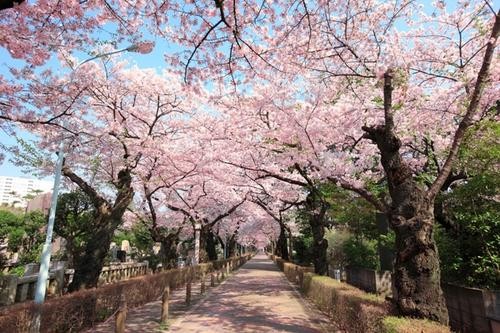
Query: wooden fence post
<point>121,316</point>
<point>212,280</point>
<point>164,305</point>
<point>202,287</point>
<point>188,292</point>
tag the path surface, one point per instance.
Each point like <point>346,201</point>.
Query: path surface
<point>146,318</point>
<point>258,298</point>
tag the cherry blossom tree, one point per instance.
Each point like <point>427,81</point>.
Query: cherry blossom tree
<point>365,94</point>
<point>114,128</point>
<point>336,99</point>
<point>205,203</point>
<point>278,214</point>
<point>162,171</point>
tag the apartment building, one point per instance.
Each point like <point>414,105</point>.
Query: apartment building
<point>16,191</point>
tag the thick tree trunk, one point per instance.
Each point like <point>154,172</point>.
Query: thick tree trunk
<point>168,252</point>
<point>168,239</point>
<point>211,246</point>
<point>317,210</point>
<point>89,265</point>
<point>108,217</point>
<point>282,247</point>
<point>207,245</point>
<point>70,252</point>
<point>231,247</point>
<point>320,246</point>
<point>416,270</point>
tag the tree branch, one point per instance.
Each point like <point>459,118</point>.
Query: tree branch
<point>365,194</point>
<point>227,213</point>
<point>97,200</point>
<point>472,109</point>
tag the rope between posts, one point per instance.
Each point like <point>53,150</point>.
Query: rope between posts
<point>113,315</point>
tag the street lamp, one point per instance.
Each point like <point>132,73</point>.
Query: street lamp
<point>43,273</point>
<point>140,47</point>
<point>197,229</point>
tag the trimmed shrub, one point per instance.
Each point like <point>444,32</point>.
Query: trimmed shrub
<point>393,324</point>
<point>83,309</point>
<point>353,309</point>
<point>280,262</point>
<point>76,311</point>
<point>295,273</point>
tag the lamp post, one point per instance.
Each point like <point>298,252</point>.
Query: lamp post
<point>197,229</point>
<point>43,273</point>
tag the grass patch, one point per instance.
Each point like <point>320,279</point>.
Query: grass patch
<point>394,324</point>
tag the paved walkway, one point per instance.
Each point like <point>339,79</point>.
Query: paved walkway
<point>255,299</point>
<point>258,298</point>
<point>147,317</point>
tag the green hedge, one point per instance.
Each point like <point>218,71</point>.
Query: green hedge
<point>352,309</point>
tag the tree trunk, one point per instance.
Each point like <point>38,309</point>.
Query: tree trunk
<point>168,251</point>
<point>416,271</point>
<point>168,239</point>
<point>210,246</point>
<point>108,217</point>
<point>207,245</point>
<point>320,246</point>
<point>70,252</point>
<point>317,210</point>
<point>282,248</point>
<point>10,4</point>
<point>231,247</point>
<point>89,265</point>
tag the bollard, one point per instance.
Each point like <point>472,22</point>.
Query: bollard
<point>212,280</point>
<point>228,269</point>
<point>164,305</point>
<point>188,292</point>
<point>202,287</point>
<point>121,316</point>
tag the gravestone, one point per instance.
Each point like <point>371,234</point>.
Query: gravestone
<point>125,246</point>
<point>113,249</point>
<point>156,248</point>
